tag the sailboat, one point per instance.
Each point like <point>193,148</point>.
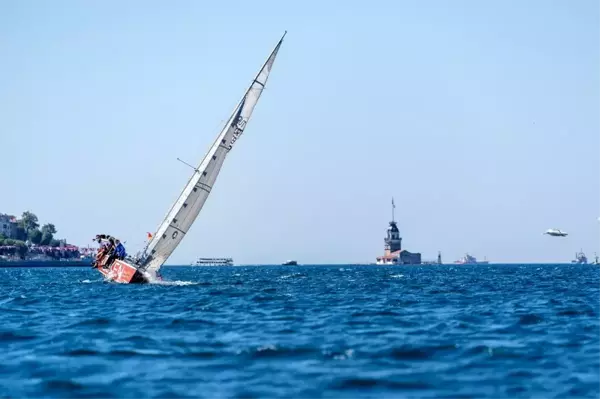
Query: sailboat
<point>143,267</point>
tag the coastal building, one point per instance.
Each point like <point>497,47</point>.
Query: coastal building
<point>8,226</point>
<point>393,252</point>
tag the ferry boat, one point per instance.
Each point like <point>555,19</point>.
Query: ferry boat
<point>471,260</point>
<point>213,262</point>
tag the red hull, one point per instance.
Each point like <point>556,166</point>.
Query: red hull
<point>123,272</point>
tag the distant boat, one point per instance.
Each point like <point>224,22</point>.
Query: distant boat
<point>213,262</point>
<point>471,260</point>
<point>290,263</point>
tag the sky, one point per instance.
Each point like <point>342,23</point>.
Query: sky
<point>481,119</point>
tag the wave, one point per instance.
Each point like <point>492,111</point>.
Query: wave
<point>179,283</point>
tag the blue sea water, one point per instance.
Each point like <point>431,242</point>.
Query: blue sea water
<point>492,331</point>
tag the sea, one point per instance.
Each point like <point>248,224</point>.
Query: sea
<point>443,331</point>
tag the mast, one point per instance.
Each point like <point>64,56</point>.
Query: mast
<point>184,211</point>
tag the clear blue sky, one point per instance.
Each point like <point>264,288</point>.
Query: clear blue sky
<point>481,118</point>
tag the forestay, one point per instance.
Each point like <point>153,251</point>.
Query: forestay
<point>187,207</point>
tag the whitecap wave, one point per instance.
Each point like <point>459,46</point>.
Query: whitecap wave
<point>175,282</point>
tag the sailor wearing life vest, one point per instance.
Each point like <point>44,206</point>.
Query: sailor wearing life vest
<point>120,250</point>
<point>107,249</point>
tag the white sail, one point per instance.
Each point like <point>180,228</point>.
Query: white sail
<point>187,207</point>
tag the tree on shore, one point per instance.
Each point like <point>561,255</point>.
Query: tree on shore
<point>35,236</point>
<point>21,249</point>
<point>29,221</point>
<point>28,229</point>
<point>20,233</point>
<point>48,231</point>
<point>48,228</point>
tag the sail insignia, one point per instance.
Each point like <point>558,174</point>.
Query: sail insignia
<point>238,124</point>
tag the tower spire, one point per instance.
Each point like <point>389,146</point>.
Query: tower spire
<point>393,207</point>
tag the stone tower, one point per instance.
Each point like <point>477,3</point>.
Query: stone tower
<point>393,241</point>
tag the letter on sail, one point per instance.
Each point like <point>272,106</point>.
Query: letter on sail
<point>187,207</point>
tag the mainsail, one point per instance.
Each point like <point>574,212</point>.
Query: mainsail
<point>187,207</point>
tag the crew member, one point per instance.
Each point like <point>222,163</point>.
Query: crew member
<point>120,250</point>
<point>107,249</point>
<point>102,250</point>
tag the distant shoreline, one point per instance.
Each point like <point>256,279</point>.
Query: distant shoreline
<point>24,265</point>
<point>384,266</point>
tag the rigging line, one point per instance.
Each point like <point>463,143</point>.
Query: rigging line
<point>185,163</point>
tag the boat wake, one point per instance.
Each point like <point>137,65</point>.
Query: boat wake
<point>88,281</point>
<point>151,279</point>
<point>175,283</point>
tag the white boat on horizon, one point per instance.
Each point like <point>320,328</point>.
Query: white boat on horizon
<point>213,262</point>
